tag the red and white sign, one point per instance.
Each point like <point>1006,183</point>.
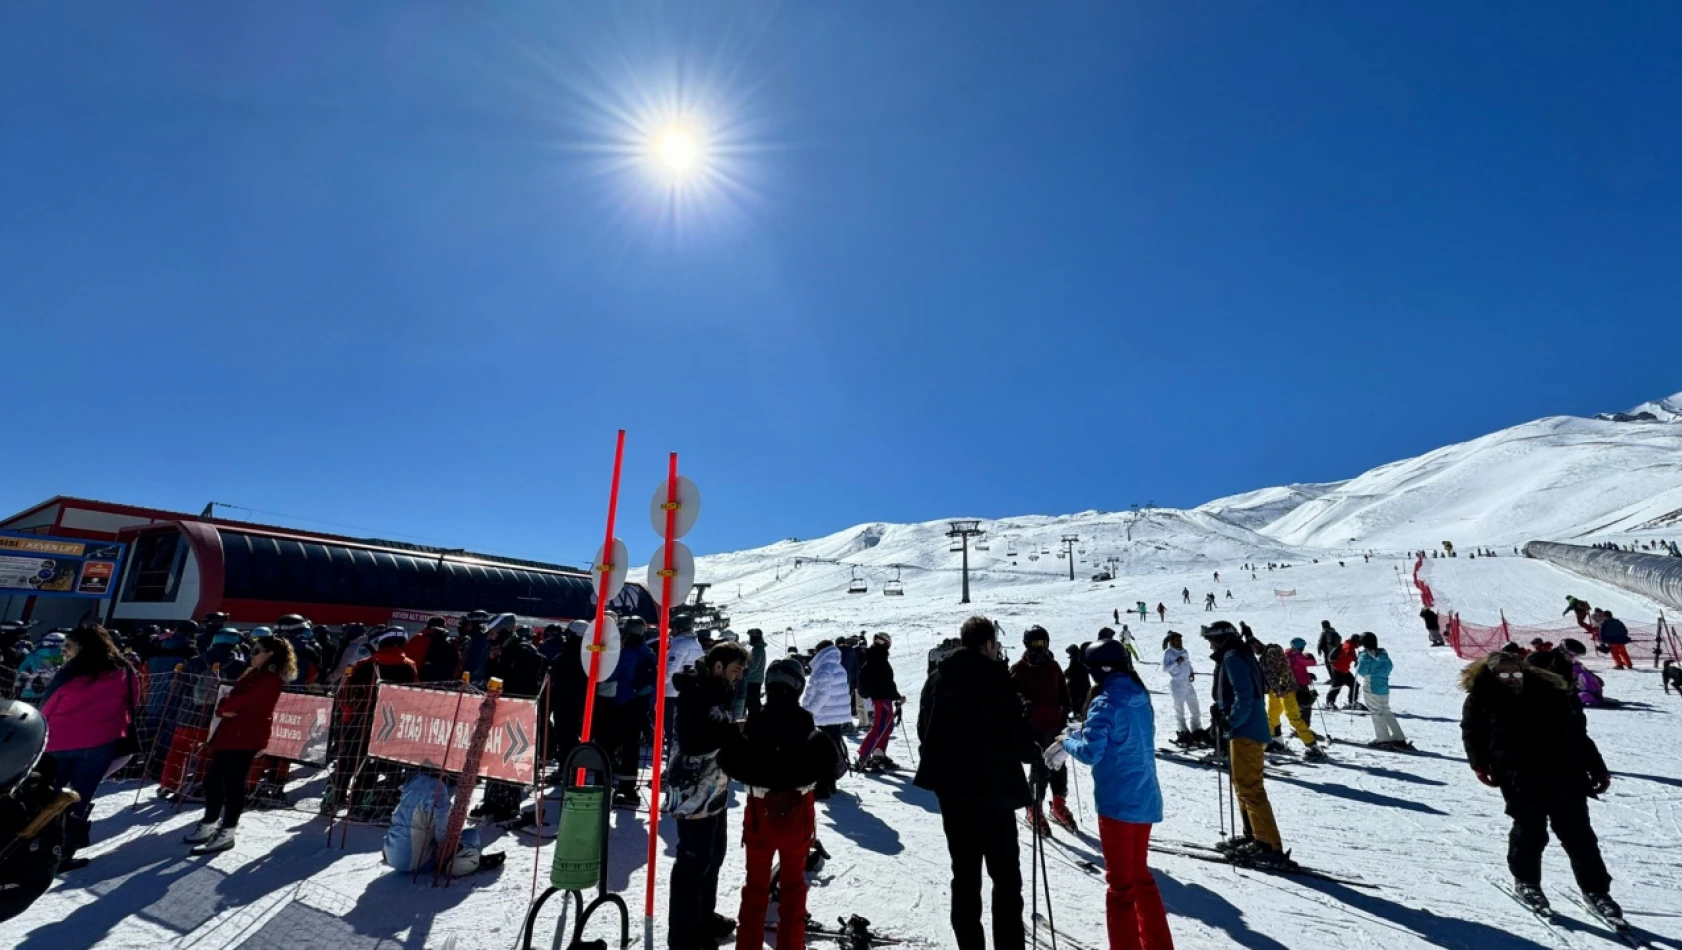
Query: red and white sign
<point>300,728</point>
<point>432,728</point>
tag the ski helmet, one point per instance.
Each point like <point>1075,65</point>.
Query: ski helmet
<point>292,623</point>
<point>1219,630</point>
<point>786,672</point>
<point>1036,634</point>
<point>1106,656</point>
<point>23,738</point>
<point>53,640</point>
<point>1299,644</point>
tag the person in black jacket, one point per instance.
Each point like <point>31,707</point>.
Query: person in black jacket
<point>975,740</point>
<point>1525,734</point>
<point>521,669</point>
<point>876,684</point>
<point>1433,631</point>
<point>1079,680</point>
<point>700,792</point>
<point>782,759</point>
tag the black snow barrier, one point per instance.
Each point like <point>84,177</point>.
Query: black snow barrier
<point>1650,575</point>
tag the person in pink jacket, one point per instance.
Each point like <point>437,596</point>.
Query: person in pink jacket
<point>89,708</point>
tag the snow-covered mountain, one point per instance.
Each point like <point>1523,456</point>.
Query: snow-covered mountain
<point>1665,410</point>
<point>1559,478</point>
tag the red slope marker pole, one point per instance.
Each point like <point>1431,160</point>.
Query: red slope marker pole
<point>666,572</point>
<point>602,569</point>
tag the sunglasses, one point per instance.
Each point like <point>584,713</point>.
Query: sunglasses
<point>1509,674</point>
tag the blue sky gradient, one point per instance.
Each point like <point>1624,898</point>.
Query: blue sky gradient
<point>401,266</point>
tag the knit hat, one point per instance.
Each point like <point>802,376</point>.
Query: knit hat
<point>787,672</point>
<point>884,638</point>
<point>1299,644</point>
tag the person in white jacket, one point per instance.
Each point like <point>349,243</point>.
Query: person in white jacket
<point>1176,662</point>
<point>827,696</point>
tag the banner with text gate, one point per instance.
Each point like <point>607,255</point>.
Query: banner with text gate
<point>432,728</point>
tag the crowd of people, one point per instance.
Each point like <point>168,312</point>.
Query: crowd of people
<point>994,736</point>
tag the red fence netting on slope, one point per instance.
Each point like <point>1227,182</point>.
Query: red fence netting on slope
<point>1472,641</point>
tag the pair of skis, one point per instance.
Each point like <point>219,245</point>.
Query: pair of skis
<point>1187,849</point>
<point>1621,929</point>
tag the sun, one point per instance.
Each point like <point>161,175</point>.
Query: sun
<point>677,151</point>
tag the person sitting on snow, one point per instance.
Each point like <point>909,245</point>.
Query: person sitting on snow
<point>418,827</point>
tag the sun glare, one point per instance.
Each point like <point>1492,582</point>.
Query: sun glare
<point>677,151</point>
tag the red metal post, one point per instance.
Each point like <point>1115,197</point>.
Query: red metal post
<point>671,507</point>
<point>601,601</point>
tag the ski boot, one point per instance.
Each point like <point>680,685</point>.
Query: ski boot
<point>1236,843</point>
<point>1356,707</point>
<point>1606,909</point>
<point>1060,814</point>
<point>1267,859</point>
<point>1036,821</point>
<point>816,858</point>
<point>1275,747</point>
<point>1183,739</point>
<point>1314,753</point>
<point>881,763</point>
<point>720,927</point>
<point>1532,897</point>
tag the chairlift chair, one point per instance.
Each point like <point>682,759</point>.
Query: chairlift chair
<point>982,545</point>
<point>894,588</point>
<point>858,584</point>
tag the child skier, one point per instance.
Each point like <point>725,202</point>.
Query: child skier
<point>1176,662</point>
<point>1282,700</point>
<point>1342,662</point>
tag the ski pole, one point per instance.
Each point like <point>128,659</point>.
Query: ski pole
<point>1050,916</point>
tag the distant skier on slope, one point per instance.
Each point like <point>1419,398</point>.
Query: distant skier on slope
<point>1143,612</point>
<point>1162,612</point>
<point>1329,641</point>
<point>1433,633</point>
<point>1185,595</point>
<point>1209,601</point>
<point>1524,735</point>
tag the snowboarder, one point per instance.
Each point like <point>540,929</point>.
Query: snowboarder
<point>876,684</point>
<point>1117,743</point>
<point>975,741</point>
<point>700,791</point>
<point>1176,662</point>
<point>1282,700</point>
<point>782,758</point>
<point>1432,633</point>
<point>1581,609</point>
<point>1079,681</point>
<point>1614,634</point>
<point>1045,696</point>
<point>1524,735</point>
<point>1374,667</point>
<point>1241,715</point>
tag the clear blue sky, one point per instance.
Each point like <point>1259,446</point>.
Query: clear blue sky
<point>395,264</point>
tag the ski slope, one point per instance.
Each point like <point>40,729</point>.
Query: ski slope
<point>1419,827</point>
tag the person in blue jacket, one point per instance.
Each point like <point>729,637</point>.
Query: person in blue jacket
<point>1118,740</point>
<point>1374,667</point>
<point>1240,715</point>
<point>418,827</point>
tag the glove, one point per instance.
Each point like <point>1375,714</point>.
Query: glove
<point>1056,755</point>
<point>1486,778</point>
<point>1598,784</point>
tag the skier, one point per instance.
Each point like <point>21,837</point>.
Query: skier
<point>1143,612</point>
<point>1329,642</point>
<point>700,792</point>
<point>1300,661</point>
<point>1217,577</point>
<point>1282,700</point>
<point>1591,689</point>
<point>1432,631</point>
<point>1374,668</point>
<point>1524,735</point>
<point>1209,601</point>
<point>1126,639</point>
<point>975,740</point>
<point>1079,681</point>
<point>1117,616</point>
<point>1176,662</point>
<point>755,677</point>
<point>1117,742</point>
<point>1614,634</point>
<point>781,759</point>
<point>1045,696</point>
<point>1162,612</point>
<point>1581,609</point>
<point>1241,714</point>
<point>1342,674</point>
<point>1229,595</point>
<point>1185,595</point>
<point>876,683</point>
<point>32,809</point>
